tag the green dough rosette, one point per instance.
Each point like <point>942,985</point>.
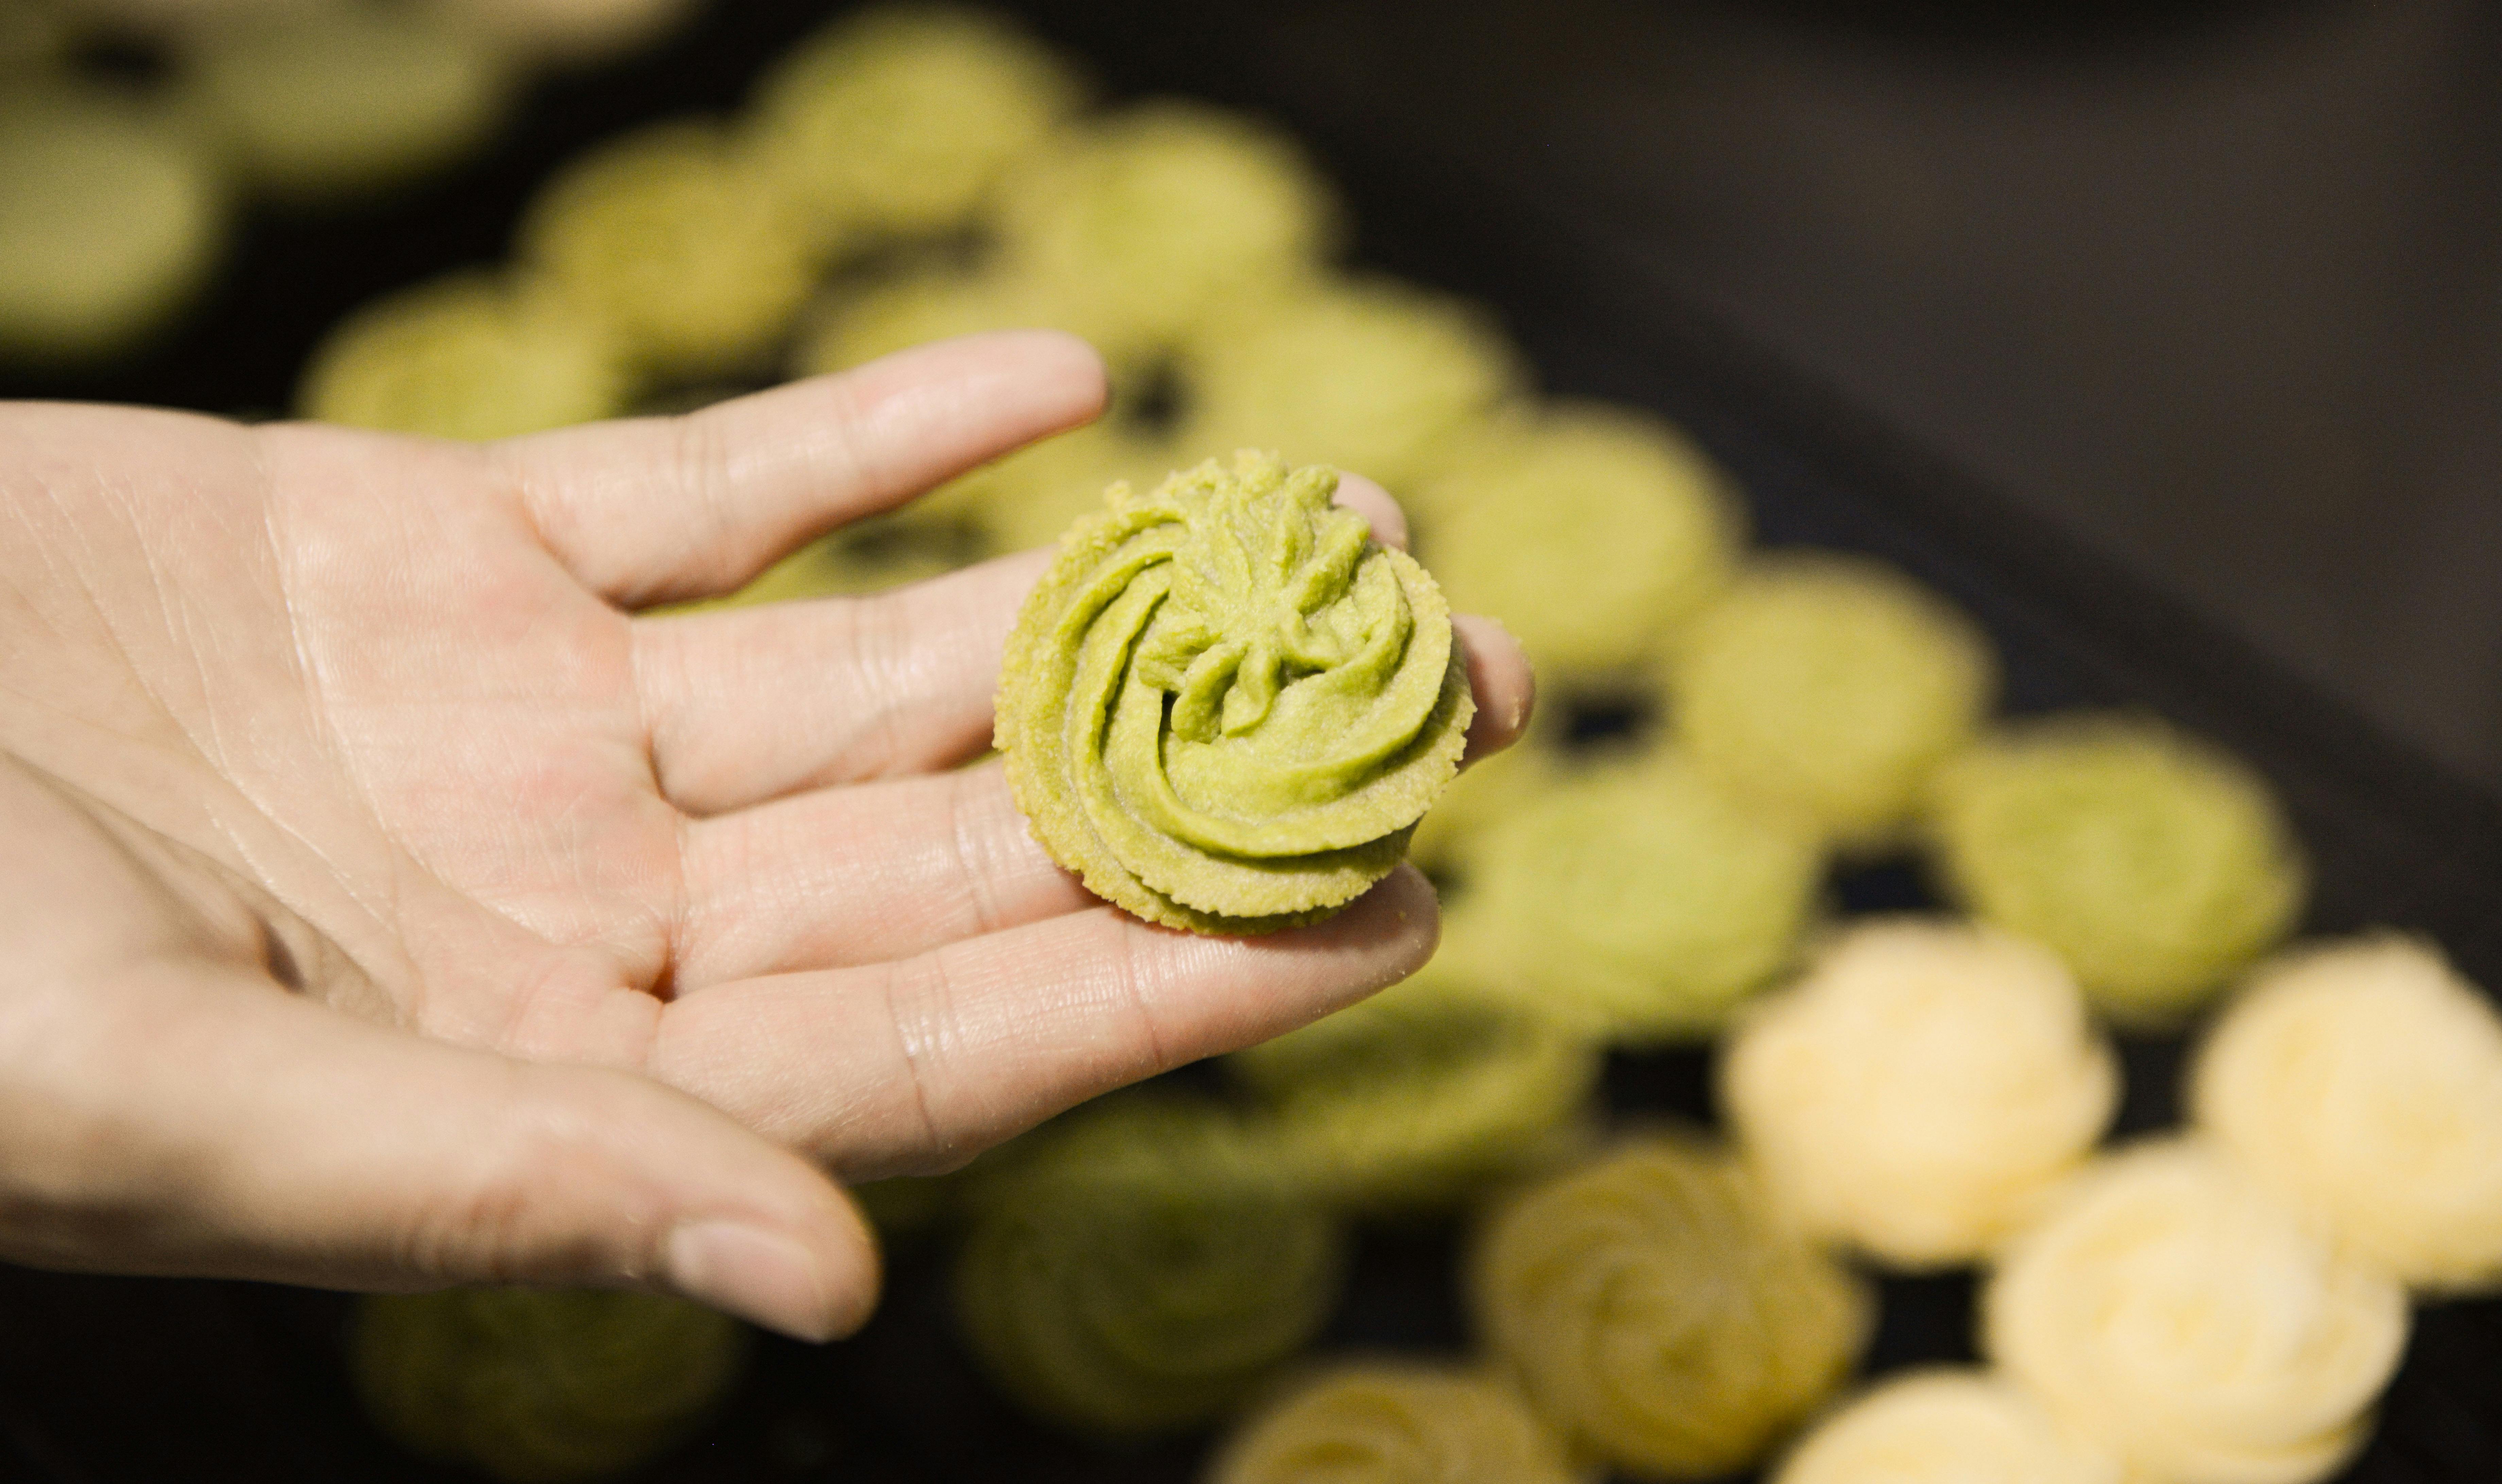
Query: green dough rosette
<point>1225,706</point>
<point>1369,376</point>
<point>672,238</point>
<point>1655,1312</point>
<point>538,1384</point>
<point>464,357</point>
<point>2362,1082</point>
<point>1418,1097</point>
<point>327,101</point>
<point>1139,1139</point>
<point>880,318</point>
<point>1143,226</point>
<point>1395,1423</point>
<point>1832,687</point>
<point>109,222</point>
<point>1493,790</point>
<point>2155,864</point>
<point>1639,902</point>
<point>1140,1267</point>
<point>1591,531</point>
<point>901,118</point>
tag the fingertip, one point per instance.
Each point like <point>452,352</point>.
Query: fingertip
<point>1055,358</point>
<point>1505,685</point>
<point>812,1273</point>
<point>1379,510</point>
<point>1384,937</point>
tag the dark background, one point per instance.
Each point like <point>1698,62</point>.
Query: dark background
<point>2167,338</point>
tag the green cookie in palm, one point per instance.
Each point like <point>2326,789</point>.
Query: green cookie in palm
<point>1225,706</point>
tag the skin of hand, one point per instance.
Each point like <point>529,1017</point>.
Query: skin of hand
<point>383,905</point>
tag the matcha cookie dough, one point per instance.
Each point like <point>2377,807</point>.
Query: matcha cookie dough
<point>900,119</point>
<point>1417,1098</point>
<point>1138,1270</point>
<point>316,102</point>
<point>1932,1426</point>
<point>1829,686</point>
<point>2173,1313</point>
<point>110,223</point>
<point>672,239</point>
<point>1654,1311</point>
<point>2363,1081</point>
<point>863,322</point>
<point>537,1386</point>
<point>1640,902</point>
<point>1396,1423</point>
<point>465,357</point>
<point>1225,706</point>
<point>1593,532</point>
<point>1143,225</point>
<point>1493,790</point>
<point>1921,1091</point>
<point>1366,375</point>
<point>2154,864</point>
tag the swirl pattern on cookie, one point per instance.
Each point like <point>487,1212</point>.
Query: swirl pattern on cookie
<point>1929,1427</point>
<point>2364,1080</point>
<point>2172,1311</point>
<point>1420,1096</point>
<point>2154,864</point>
<point>903,118</point>
<point>1653,1309</point>
<point>1146,225</point>
<point>1920,1092</point>
<point>540,1384</point>
<point>1366,375</point>
<point>465,357</point>
<point>1639,902</point>
<point>1224,707</point>
<point>1141,1267</point>
<point>1389,1423</point>
<point>1829,685</point>
<point>672,238</point>
<point>1594,532</point>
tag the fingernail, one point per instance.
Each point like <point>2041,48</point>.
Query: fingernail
<point>756,1274</point>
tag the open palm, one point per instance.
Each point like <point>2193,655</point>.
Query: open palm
<point>383,905</point>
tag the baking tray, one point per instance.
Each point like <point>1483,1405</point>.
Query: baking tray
<point>107,1379</point>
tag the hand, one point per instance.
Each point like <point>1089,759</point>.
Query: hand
<point>383,905</point>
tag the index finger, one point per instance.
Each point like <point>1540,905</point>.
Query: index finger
<point>652,509</point>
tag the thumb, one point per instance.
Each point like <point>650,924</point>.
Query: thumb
<point>186,1118</point>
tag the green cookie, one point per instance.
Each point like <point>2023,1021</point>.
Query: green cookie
<point>1225,706</point>
<point>2155,864</point>
<point>538,1384</point>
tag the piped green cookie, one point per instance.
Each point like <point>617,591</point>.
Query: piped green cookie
<point>1225,706</point>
